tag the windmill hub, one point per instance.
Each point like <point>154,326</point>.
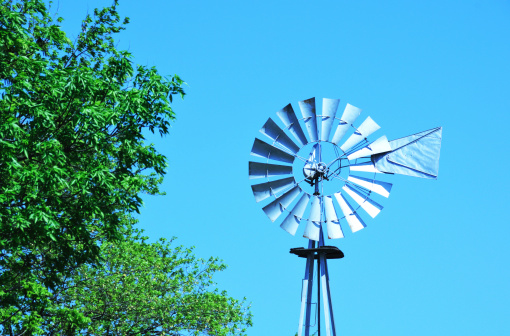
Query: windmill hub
<point>310,170</point>
<point>321,168</point>
<point>313,170</point>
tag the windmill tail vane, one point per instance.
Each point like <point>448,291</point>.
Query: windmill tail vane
<point>313,177</point>
<point>414,155</point>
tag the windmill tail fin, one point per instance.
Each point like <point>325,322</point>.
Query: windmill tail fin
<point>414,155</point>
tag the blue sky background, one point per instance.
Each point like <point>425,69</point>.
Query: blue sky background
<point>435,261</point>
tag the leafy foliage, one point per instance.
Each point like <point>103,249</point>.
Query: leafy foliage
<point>144,288</point>
<point>72,155</point>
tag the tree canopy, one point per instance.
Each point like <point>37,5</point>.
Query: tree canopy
<point>72,152</point>
<point>142,288</point>
<point>73,162</point>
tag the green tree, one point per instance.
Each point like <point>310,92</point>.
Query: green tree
<point>73,160</point>
<point>72,165</point>
<point>143,288</point>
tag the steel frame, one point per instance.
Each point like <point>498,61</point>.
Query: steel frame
<point>318,256</point>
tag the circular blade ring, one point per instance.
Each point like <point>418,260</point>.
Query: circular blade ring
<point>317,172</point>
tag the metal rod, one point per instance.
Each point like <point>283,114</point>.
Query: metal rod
<point>329,298</point>
<point>323,281</point>
<point>311,244</point>
<point>319,295</point>
<point>326,295</point>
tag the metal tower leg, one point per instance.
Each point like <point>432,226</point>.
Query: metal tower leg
<point>326,293</point>
<point>306,295</point>
<point>329,298</point>
<point>326,297</point>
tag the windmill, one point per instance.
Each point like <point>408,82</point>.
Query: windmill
<point>329,183</point>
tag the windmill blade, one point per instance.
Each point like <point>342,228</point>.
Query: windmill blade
<point>308,111</point>
<point>353,219</point>
<point>313,227</point>
<point>371,207</point>
<point>380,145</point>
<point>274,209</point>
<point>332,221</point>
<point>364,130</point>
<point>291,222</point>
<point>367,167</point>
<point>350,115</point>
<point>275,133</point>
<point>259,169</point>
<point>289,119</point>
<point>329,107</point>
<point>267,151</point>
<point>264,190</point>
<point>380,187</point>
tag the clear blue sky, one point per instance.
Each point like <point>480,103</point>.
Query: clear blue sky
<point>435,261</point>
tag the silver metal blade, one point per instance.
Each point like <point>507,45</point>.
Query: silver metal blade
<point>350,115</point>
<point>329,107</point>
<point>259,169</point>
<point>274,209</point>
<point>275,133</point>
<point>368,167</point>
<point>353,219</point>
<point>308,111</point>
<point>313,227</point>
<point>267,151</point>
<point>289,119</point>
<point>380,145</point>
<point>364,130</point>
<point>264,190</point>
<point>332,221</point>
<point>371,207</point>
<point>380,187</point>
<point>291,223</point>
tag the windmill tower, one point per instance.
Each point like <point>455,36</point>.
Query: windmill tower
<point>329,184</point>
